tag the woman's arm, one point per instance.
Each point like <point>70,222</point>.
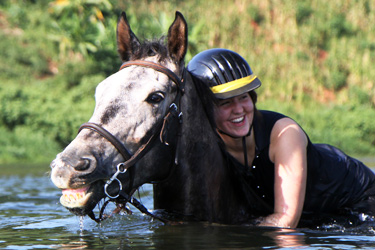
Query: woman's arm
<point>288,152</point>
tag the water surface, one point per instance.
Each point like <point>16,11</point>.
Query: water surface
<point>32,218</point>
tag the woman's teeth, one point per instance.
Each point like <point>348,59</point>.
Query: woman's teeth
<point>238,120</point>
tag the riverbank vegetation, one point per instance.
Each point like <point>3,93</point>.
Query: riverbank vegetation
<point>315,60</point>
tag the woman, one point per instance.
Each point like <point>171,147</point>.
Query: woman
<point>272,152</point>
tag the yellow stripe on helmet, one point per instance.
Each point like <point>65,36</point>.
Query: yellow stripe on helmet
<point>229,86</point>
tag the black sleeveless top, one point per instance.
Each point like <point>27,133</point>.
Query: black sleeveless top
<point>335,181</point>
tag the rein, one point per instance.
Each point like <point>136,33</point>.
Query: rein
<point>173,117</point>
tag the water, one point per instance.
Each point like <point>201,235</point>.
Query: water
<point>32,218</point>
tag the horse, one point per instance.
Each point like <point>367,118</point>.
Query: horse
<point>152,124</point>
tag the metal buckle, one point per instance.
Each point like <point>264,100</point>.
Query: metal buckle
<point>173,106</point>
<point>120,170</point>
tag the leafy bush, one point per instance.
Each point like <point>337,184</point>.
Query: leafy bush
<point>79,25</point>
<point>314,59</point>
<point>339,26</point>
<point>303,12</point>
<point>255,14</point>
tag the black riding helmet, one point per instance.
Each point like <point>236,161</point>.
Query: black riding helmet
<point>226,72</point>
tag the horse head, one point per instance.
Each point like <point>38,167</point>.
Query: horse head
<point>108,155</point>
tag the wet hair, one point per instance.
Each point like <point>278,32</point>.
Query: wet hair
<point>253,96</point>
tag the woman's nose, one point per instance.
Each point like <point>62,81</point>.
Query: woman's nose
<point>237,107</point>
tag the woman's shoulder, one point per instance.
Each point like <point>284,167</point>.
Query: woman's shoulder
<point>282,123</point>
<point>267,118</point>
<point>268,114</point>
<point>276,124</point>
<point>264,121</point>
<point>271,118</point>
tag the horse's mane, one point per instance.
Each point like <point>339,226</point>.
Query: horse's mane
<point>150,48</point>
<point>207,98</point>
<point>154,47</point>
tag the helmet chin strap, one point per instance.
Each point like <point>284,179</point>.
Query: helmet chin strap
<point>243,142</point>
<point>233,136</point>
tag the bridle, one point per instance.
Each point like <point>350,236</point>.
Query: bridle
<point>172,120</point>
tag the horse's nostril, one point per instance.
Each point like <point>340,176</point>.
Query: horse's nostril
<point>82,165</point>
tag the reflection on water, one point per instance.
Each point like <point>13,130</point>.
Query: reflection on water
<point>287,238</point>
<point>32,218</point>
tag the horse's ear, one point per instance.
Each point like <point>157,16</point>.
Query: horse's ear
<point>127,42</point>
<point>178,38</point>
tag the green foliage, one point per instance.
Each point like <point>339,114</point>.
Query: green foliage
<point>315,60</point>
<point>336,76</point>
<point>303,12</point>
<point>79,25</point>
<point>339,26</point>
<point>24,144</point>
<point>337,120</point>
<point>255,14</point>
<point>33,61</point>
<point>49,117</point>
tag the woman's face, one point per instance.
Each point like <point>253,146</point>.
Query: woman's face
<point>234,116</point>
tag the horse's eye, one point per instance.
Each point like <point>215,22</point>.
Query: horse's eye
<point>155,98</point>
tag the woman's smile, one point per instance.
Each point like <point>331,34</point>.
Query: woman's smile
<point>238,120</point>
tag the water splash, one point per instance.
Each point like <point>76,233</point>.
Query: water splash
<point>81,225</point>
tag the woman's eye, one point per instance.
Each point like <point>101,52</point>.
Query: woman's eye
<point>224,103</point>
<point>155,98</point>
<point>244,97</point>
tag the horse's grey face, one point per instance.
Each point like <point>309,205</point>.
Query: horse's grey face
<point>128,104</point>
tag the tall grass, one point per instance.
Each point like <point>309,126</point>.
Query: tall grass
<point>315,60</point>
